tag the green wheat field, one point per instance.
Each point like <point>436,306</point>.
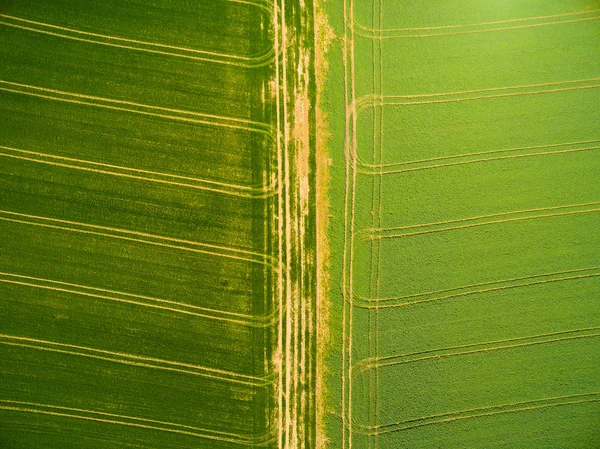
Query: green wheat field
<point>300,224</point>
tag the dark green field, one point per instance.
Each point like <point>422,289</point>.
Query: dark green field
<point>157,269</point>
<point>139,187</point>
<point>465,208</point>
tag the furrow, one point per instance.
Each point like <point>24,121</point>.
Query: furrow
<point>137,45</point>
<point>135,236</point>
<point>138,300</point>
<point>139,174</point>
<point>134,360</point>
<point>484,347</point>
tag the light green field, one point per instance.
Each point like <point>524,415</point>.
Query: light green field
<point>465,206</point>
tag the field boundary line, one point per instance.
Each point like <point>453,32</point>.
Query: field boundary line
<point>405,303</point>
<point>349,216</point>
<point>144,109</point>
<point>379,222</point>
<point>113,170</point>
<point>346,301</point>
<point>370,35</point>
<point>486,223</point>
<point>365,165</point>
<point>293,84</point>
<point>139,300</point>
<point>350,151</point>
<point>281,284</point>
<point>124,420</point>
<point>290,430</point>
<point>483,347</point>
<point>491,410</point>
<point>135,360</point>
<point>260,60</point>
<point>279,356</point>
<point>122,234</point>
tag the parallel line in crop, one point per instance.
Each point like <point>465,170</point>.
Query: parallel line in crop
<point>504,284</point>
<point>138,300</point>
<point>487,159</point>
<point>139,108</point>
<point>481,412</point>
<point>138,45</point>
<point>135,360</point>
<point>134,236</point>
<point>371,100</point>
<point>372,34</point>
<point>461,96</point>
<point>380,232</point>
<point>366,165</point>
<point>483,347</point>
<point>382,235</point>
<point>470,25</point>
<point>385,100</point>
<point>266,5</point>
<point>139,174</point>
<point>129,421</point>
